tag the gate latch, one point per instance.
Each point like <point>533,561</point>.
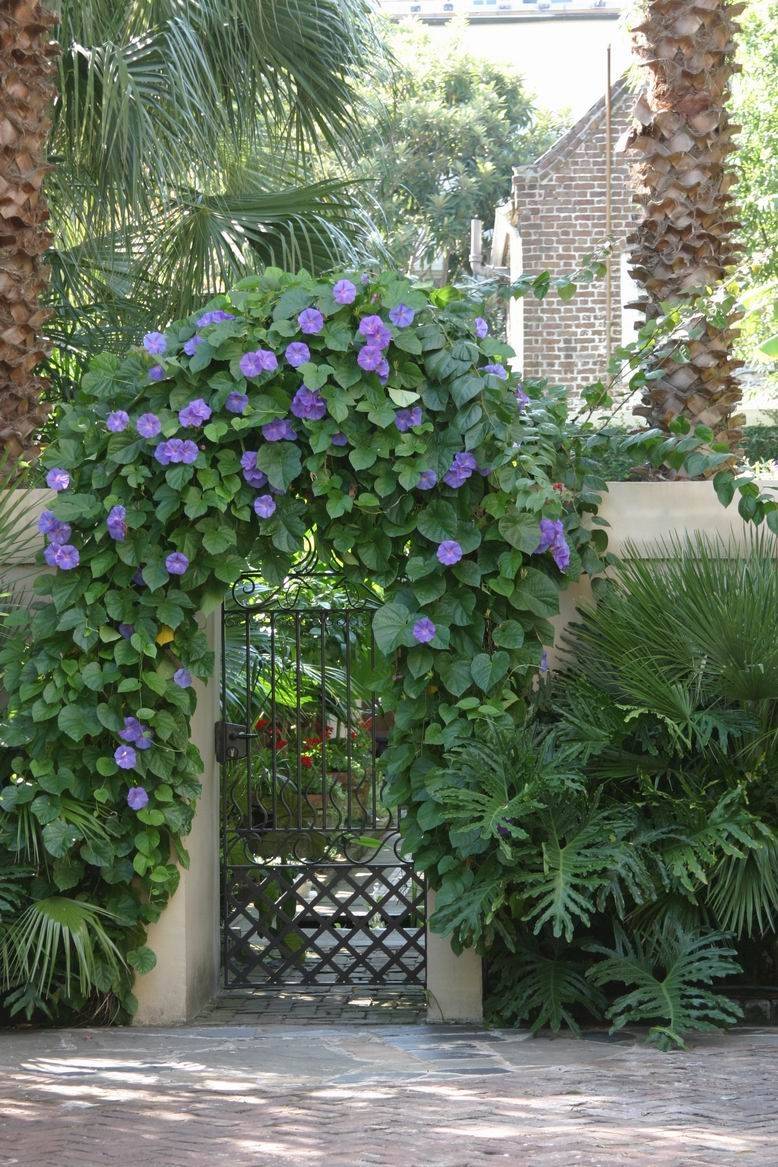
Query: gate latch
<point>229,741</point>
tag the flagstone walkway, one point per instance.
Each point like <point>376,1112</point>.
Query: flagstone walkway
<point>297,1095</point>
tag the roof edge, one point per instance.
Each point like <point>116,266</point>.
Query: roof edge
<point>570,138</point>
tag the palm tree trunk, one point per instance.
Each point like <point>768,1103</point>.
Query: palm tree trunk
<point>27,63</point>
<point>683,241</point>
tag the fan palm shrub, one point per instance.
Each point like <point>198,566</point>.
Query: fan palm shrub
<point>628,835</point>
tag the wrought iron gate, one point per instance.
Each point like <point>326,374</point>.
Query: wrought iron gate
<point>314,889</point>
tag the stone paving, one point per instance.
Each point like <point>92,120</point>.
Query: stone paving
<point>324,1005</point>
<point>302,1095</point>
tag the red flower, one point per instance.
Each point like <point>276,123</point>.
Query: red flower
<point>313,741</point>
<point>306,761</point>
<point>558,486</point>
<point>261,723</point>
<point>279,743</point>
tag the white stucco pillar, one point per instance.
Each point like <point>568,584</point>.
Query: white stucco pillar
<point>454,983</point>
<point>186,937</point>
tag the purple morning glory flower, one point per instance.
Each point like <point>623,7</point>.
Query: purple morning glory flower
<point>264,506</point>
<point>344,292</point>
<point>117,523</point>
<point>308,404</point>
<point>449,552</point>
<point>462,466</point>
<point>254,364</point>
<point>252,475</point>
<point>58,479</point>
<point>544,663</point>
<point>481,327</point>
<point>117,421</point>
<point>176,563</point>
<point>280,430</point>
<point>126,630</point>
<point>383,371</point>
<point>401,315</point>
<point>455,478</point>
<point>496,371</point>
<point>59,534</point>
<point>550,531</point>
<point>137,797</point>
<point>364,278</point>
<point>192,345</point>
<point>371,325</point>
<point>375,331</point>
<point>339,439</point>
<point>465,461</point>
<point>156,373</point>
<point>133,730</point>
<point>297,353</point>
<point>427,479</point>
<point>406,419</point>
<point>214,317</point>
<point>560,553</point>
<point>125,757</point>
<point>137,578</point>
<point>155,343</point>
<point>64,555</point>
<point>310,321</point>
<point>552,538</point>
<point>162,454</point>
<point>189,452</point>
<point>195,413</point>
<point>236,403</point>
<point>370,358</point>
<point>148,425</point>
<point>182,678</point>
<point>424,630</point>
<point>47,522</point>
<point>522,399</point>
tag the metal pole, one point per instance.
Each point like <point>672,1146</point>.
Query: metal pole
<point>476,246</point>
<point>608,209</point>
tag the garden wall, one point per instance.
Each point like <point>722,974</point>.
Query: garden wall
<point>642,513</point>
<point>186,939</point>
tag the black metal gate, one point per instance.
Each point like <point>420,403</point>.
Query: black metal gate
<point>314,888</point>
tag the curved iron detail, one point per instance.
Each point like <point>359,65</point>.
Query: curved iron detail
<point>315,886</point>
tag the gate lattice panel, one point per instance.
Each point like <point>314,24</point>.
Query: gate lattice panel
<point>315,890</point>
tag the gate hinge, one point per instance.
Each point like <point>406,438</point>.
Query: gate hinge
<point>229,741</point>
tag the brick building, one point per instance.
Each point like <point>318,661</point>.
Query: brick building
<point>555,216</point>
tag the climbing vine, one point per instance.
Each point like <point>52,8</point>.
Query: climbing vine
<point>371,419</point>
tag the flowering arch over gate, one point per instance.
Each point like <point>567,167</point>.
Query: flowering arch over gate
<point>365,416</point>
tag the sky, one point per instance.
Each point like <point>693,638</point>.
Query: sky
<point>562,61</point>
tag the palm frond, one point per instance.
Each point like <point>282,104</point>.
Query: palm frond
<point>743,890</point>
<point>59,939</point>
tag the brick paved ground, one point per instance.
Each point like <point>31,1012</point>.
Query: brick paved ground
<point>394,1096</point>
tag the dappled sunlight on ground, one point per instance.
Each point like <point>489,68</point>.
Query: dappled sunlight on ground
<point>345,1096</point>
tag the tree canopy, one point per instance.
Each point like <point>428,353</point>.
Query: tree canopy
<point>444,131</point>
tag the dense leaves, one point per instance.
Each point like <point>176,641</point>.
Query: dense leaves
<point>175,464</point>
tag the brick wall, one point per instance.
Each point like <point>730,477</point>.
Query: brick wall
<point>558,211</point>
